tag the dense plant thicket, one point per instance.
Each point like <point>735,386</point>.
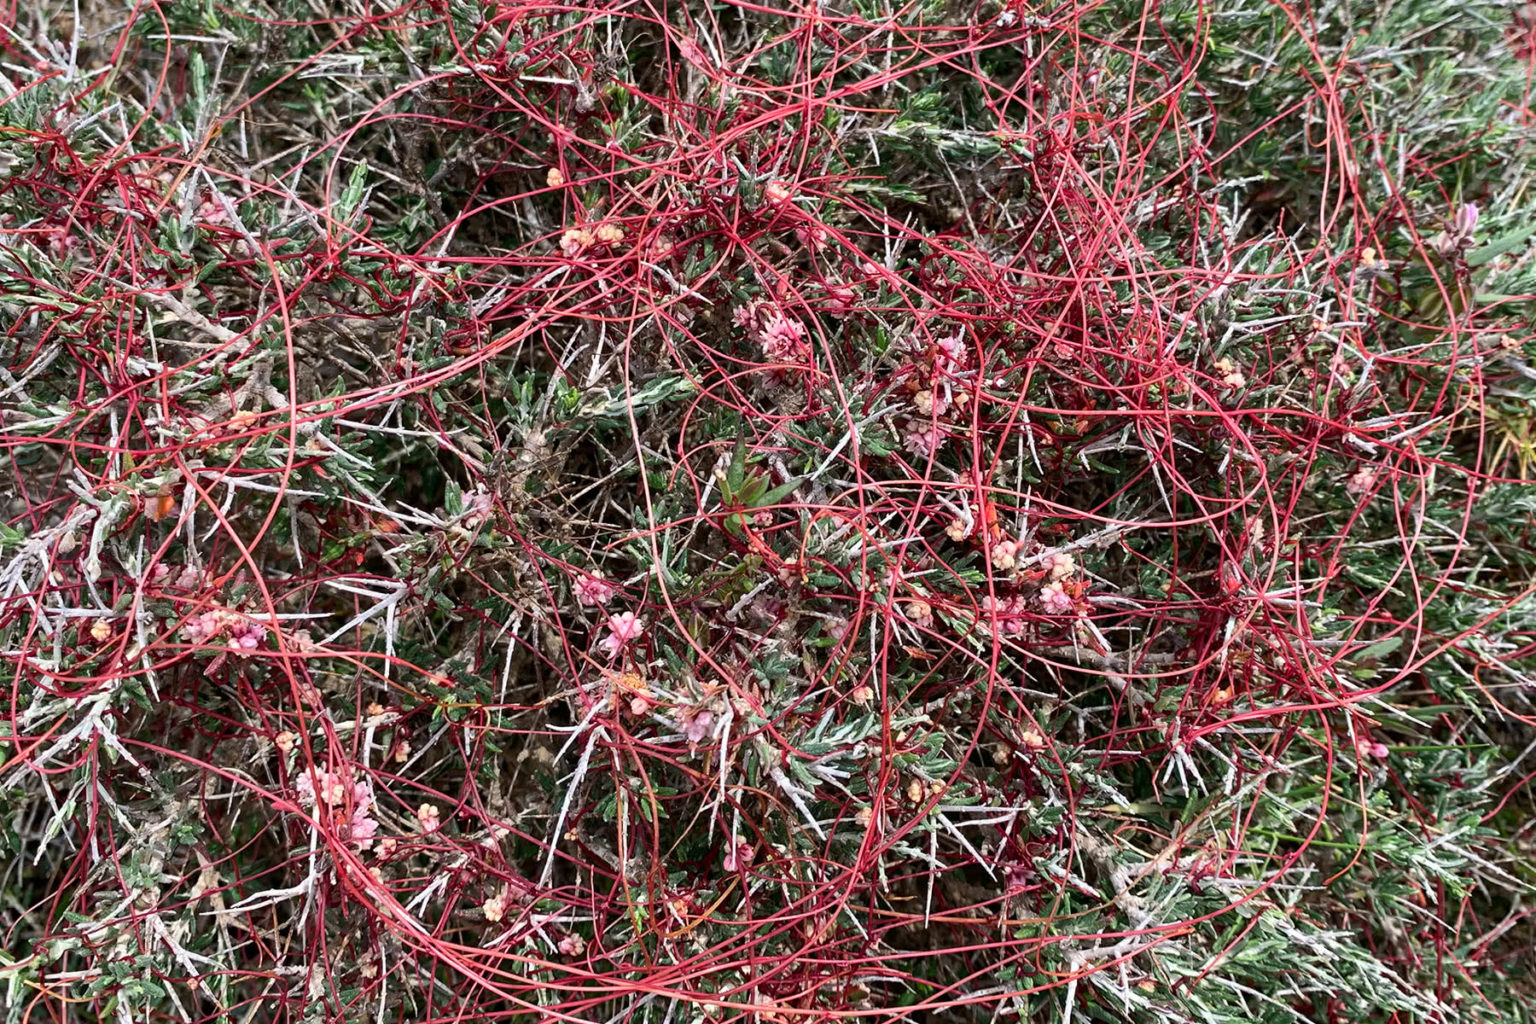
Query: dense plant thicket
<point>714,511</point>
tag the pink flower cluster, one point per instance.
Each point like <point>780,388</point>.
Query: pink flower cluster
<point>1458,232</point>
<point>1059,565</point>
<point>929,402</point>
<point>1367,749</point>
<point>478,506</point>
<point>1009,612</point>
<point>697,723</point>
<point>923,434</point>
<point>60,242</point>
<point>782,337</point>
<point>243,634</point>
<point>952,353</point>
<point>622,628</point>
<point>1362,481</point>
<point>212,213</point>
<point>740,855</point>
<point>332,790</point>
<point>811,235</point>
<point>841,299</point>
<point>1005,554</point>
<point>593,590</point>
<point>577,240</point>
<point>924,438</point>
<point>188,577</point>
<point>919,613</point>
<point>1055,600</point>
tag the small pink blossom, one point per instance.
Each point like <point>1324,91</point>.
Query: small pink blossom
<point>696,723</point>
<point>361,829</point>
<point>660,246</point>
<point>478,506</point>
<point>811,235</point>
<point>783,338</point>
<point>60,243</point>
<point>1367,749</point>
<point>843,299</point>
<point>930,403</point>
<point>952,351</point>
<point>919,613</point>
<point>1465,221</point>
<point>738,856</point>
<point>495,907</point>
<point>924,438</point>
<point>212,213</point>
<point>594,591</point>
<point>1362,481</point>
<point>1458,231</point>
<point>305,786</point>
<point>1230,375</point>
<point>1059,565</point>
<point>1008,612</point>
<point>575,241</point>
<point>332,790</point>
<point>246,636</point>
<point>622,628</point>
<point>199,628</point>
<point>572,945</point>
<point>241,633</point>
<point>429,818</point>
<point>1005,554</point>
<point>1055,600</point>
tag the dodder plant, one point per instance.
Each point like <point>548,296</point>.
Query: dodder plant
<point>783,513</point>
